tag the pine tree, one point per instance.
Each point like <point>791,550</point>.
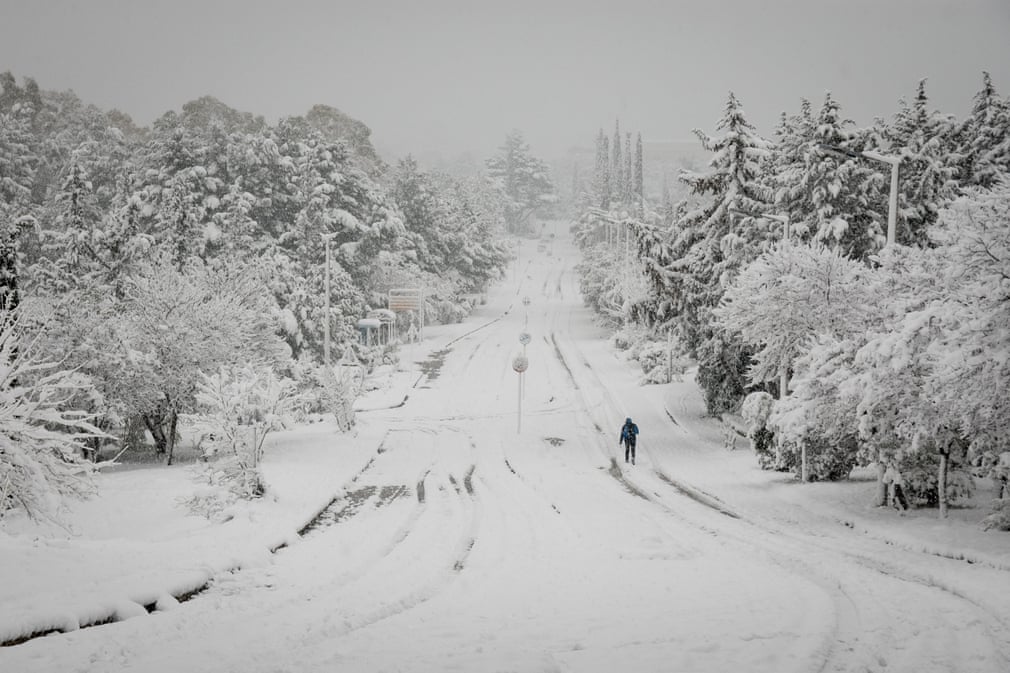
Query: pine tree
<point>924,141</point>
<point>793,145</point>
<point>616,165</point>
<point>985,137</point>
<point>629,171</point>
<point>601,178</point>
<point>712,244</point>
<point>847,204</point>
<point>17,174</point>
<point>667,205</point>
<point>523,179</point>
<point>638,182</point>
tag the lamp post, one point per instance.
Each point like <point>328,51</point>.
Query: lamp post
<point>892,201</point>
<point>784,219</point>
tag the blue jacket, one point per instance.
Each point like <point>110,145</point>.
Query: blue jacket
<point>629,431</point>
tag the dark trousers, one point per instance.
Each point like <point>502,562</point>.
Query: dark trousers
<point>629,449</point>
<point>899,497</point>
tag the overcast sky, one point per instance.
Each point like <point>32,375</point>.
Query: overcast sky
<point>454,75</point>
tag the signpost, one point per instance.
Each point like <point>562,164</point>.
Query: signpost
<point>409,299</point>
<point>524,339</point>
<point>520,363</point>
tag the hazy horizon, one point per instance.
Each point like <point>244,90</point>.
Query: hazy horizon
<point>449,77</point>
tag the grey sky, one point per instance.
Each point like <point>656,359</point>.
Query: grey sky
<point>450,75</point>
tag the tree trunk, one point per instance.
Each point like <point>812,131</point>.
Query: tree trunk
<point>153,423</point>
<point>941,482</point>
<point>173,425</point>
<point>881,486</point>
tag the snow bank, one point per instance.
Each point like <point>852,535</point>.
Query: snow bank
<point>135,549</point>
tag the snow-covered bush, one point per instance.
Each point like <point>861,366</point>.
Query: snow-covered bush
<point>599,274</point>
<point>920,471</point>
<point>42,437</point>
<point>652,353</point>
<point>659,364</point>
<point>820,412</point>
<point>450,311</point>
<point>337,388</point>
<point>722,364</point>
<point>999,518</point>
<point>756,409</point>
<point>239,407</point>
<point>827,460</point>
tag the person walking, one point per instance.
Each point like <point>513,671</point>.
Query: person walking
<point>896,487</point>
<point>629,435</point>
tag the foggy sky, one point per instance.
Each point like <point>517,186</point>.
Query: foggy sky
<point>447,76</point>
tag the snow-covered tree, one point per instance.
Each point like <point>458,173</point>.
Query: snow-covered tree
<point>601,172</point>
<point>237,407</point>
<point>617,175</point>
<point>523,179</point>
<point>638,178</point>
<point>923,139</point>
<point>794,142</point>
<point>788,297</point>
<point>972,356</point>
<point>17,212</point>
<point>173,325</point>
<point>629,172</point>
<point>985,137</point>
<point>42,435</point>
<point>847,195</point>
<point>713,242</point>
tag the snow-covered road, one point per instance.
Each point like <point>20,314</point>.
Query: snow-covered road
<point>466,544</point>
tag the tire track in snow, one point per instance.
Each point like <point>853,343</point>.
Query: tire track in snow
<point>454,566</point>
<point>845,647</point>
<point>844,617</point>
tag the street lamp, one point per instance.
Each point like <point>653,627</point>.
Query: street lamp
<point>894,163</point>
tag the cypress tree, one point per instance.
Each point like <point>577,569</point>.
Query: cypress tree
<point>617,164</point>
<point>639,178</point>
<point>628,170</point>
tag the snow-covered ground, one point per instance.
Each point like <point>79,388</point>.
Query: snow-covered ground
<point>463,537</point>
